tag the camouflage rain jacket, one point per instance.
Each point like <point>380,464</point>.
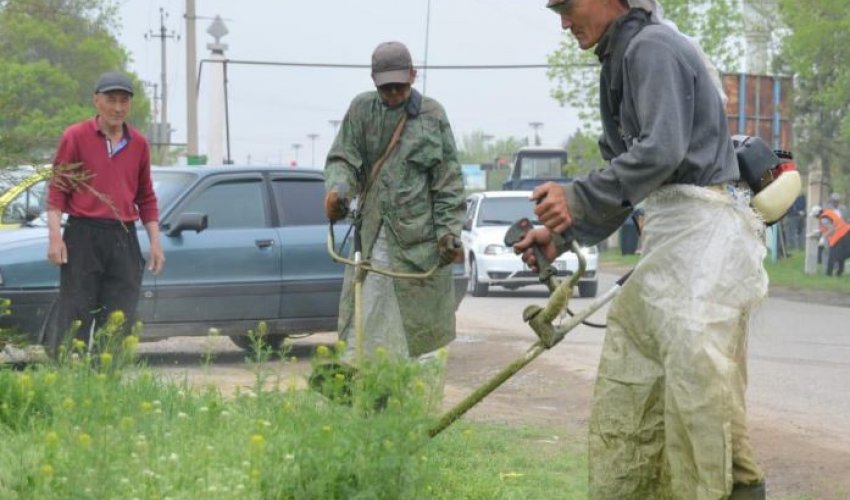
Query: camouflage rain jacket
<point>417,198</point>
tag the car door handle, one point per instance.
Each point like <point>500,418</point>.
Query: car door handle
<point>263,243</point>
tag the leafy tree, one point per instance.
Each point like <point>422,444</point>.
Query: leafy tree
<point>715,23</point>
<point>817,51</point>
<point>583,154</point>
<point>476,148</point>
<point>51,52</point>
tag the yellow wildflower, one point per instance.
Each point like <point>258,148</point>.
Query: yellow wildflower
<point>116,319</point>
<point>105,359</point>
<point>51,438</point>
<point>46,470</point>
<point>84,440</point>
<point>130,342</point>
<point>127,423</point>
<point>146,407</point>
<point>323,352</point>
<point>50,378</point>
<point>68,404</point>
<point>257,441</point>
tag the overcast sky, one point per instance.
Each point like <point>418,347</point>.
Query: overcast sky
<point>272,108</point>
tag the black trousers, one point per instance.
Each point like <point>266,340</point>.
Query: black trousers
<point>837,255</point>
<point>103,274</point>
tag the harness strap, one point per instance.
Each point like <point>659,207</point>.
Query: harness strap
<point>379,163</point>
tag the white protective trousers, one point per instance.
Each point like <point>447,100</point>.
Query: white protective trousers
<point>668,417</point>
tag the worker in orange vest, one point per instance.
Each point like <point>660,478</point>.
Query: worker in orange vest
<point>837,234</point>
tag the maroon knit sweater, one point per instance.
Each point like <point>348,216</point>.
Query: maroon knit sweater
<point>124,179</point>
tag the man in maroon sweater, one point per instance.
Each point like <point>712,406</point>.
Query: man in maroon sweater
<point>98,252</point>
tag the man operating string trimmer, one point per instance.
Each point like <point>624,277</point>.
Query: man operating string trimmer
<point>668,417</point>
<point>395,152</point>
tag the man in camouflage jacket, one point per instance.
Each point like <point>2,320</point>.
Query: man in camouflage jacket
<point>410,215</point>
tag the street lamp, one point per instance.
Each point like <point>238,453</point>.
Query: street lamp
<point>313,138</point>
<point>335,125</point>
<point>536,126</point>
<point>296,147</point>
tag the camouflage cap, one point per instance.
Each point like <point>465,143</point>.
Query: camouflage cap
<point>391,63</point>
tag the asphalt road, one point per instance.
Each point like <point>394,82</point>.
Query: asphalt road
<point>799,352</point>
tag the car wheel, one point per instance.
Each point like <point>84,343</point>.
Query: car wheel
<point>476,288</point>
<point>272,343</point>
<point>587,288</point>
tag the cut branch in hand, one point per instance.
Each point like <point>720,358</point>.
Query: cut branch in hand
<point>72,177</point>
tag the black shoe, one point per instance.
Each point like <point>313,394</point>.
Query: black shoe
<point>748,492</point>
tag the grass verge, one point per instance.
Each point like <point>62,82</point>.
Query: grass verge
<point>104,426</point>
<point>788,272</point>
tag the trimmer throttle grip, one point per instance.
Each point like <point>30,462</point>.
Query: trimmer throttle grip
<point>517,232</point>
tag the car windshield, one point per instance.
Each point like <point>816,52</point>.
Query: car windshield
<point>539,166</point>
<point>168,185</point>
<point>505,211</point>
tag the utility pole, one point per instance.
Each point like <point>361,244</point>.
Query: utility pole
<point>163,137</point>
<point>536,126</point>
<point>154,102</point>
<point>313,138</point>
<point>219,120</point>
<point>191,86</point>
<point>427,36</point>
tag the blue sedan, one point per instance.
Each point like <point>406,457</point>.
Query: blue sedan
<point>243,244</point>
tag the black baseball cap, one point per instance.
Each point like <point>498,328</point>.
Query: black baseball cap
<point>113,80</point>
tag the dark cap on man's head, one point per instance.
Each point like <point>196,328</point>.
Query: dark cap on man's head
<point>113,80</point>
<point>391,63</point>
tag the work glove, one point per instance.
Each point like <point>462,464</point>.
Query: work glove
<point>336,205</point>
<point>450,249</point>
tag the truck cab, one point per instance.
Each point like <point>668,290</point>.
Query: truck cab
<point>534,165</point>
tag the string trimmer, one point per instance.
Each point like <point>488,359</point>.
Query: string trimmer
<point>539,318</point>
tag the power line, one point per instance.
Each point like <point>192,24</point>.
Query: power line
<point>367,66</point>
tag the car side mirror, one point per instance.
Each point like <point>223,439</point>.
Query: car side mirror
<point>189,221</point>
<point>467,225</point>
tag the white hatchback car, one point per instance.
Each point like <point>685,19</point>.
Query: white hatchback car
<point>488,216</point>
